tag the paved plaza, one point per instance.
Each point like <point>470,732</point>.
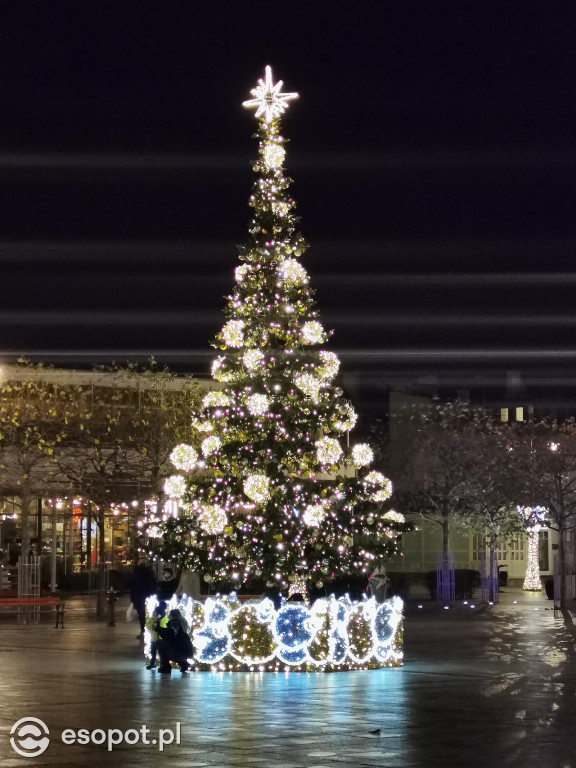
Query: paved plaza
<point>487,686</point>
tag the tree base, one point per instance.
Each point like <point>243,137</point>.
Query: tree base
<point>330,635</point>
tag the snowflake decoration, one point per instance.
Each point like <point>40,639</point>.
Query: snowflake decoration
<point>175,487</point>
<point>257,404</point>
<point>211,445</point>
<point>328,450</point>
<point>252,359</point>
<point>233,333</point>
<point>362,454</point>
<point>312,333</point>
<point>313,515</point>
<point>257,488</point>
<point>212,518</point>
<point>268,99</point>
<point>184,457</point>
<point>292,272</point>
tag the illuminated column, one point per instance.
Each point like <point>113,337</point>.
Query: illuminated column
<point>532,580</point>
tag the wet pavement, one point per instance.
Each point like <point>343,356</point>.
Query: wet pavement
<point>488,686</point>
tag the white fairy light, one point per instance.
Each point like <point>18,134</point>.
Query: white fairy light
<point>383,485</point>
<point>347,421</point>
<point>252,359</point>
<point>233,333</point>
<point>184,457</point>
<point>212,518</point>
<point>384,493</point>
<point>258,404</point>
<point>280,207</point>
<point>215,399</point>
<point>292,272</point>
<point>374,478</point>
<point>268,99</point>
<point>175,486</point>
<point>309,384</point>
<point>312,332</point>
<point>396,517</point>
<point>257,488</point>
<point>274,155</point>
<point>330,365</point>
<point>314,514</point>
<point>241,272</point>
<point>362,454</point>
<point>328,450</point>
<point>211,445</point>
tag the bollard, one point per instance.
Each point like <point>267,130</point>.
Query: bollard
<point>60,615</point>
<point>111,599</point>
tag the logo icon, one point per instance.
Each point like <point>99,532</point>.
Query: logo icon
<point>30,740</point>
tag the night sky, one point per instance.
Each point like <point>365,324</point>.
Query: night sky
<point>433,152</point>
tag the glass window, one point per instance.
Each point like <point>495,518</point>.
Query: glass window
<point>543,551</point>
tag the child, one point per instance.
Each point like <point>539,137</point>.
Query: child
<point>158,619</point>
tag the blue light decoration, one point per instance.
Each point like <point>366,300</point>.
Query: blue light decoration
<point>231,635</point>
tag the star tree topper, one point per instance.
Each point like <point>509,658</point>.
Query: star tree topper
<point>268,98</point>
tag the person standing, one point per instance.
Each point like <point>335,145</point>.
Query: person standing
<point>142,585</point>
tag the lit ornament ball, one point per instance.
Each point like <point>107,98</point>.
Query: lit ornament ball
<point>211,445</point>
<point>348,419</point>
<point>241,272</point>
<point>215,399</point>
<point>184,457</point>
<point>328,450</point>
<point>396,517</point>
<point>257,404</point>
<point>175,486</point>
<point>202,425</point>
<point>312,333</point>
<point>233,333</point>
<point>252,359</point>
<point>274,155</point>
<point>212,518</point>
<point>375,478</point>
<point>309,384</point>
<point>219,373</point>
<point>362,454</point>
<point>292,272</point>
<point>257,488</point>
<point>330,365</point>
<point>313,515</point>
<point>384,493</point>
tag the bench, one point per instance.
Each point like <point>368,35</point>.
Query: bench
<point>37,602</point>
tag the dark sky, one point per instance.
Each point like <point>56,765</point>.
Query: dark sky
<point>433,151</point>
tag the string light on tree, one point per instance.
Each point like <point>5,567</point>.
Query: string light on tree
<point>535,517</point>
<point>184,457</point>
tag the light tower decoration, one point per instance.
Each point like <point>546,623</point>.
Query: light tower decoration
<point>271,490</point>
<point>534,517</point>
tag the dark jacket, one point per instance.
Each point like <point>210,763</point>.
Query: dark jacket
<point>142,584</point>
<point>178,642</point>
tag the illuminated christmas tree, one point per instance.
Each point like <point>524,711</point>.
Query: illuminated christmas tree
<point>535,518</point>
<point>270,488</point>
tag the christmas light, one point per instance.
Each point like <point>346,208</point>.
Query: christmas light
<point>330,365</point>
<point>268,99</point>
<point>362,454</point>
<point>292,272</point>
<point>274,155</point>
<point>328,450</point>
<point>534,517</point>
<point>215,399</point>
<point>212,518</point>
<point>233,333</point>
<point>257,488</point>
<point>175,486</point>
<point>257,404</point>
<point>314,514</point>
<point>347,420</point>
<point>241,272</point>
<point>312,333</point>
<point>184,457</point>
<point>252,359</point>
<point>309,384</point>
<point>211,445</point>
<point>396,517</point>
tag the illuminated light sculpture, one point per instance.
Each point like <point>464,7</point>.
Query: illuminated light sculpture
<point>362,455</point>
<point>175,487</point>
<point>184,457</point>
<point>268,99</point>
<point>273,478</point>
<point>535,517</point>
<point>231,635</point>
